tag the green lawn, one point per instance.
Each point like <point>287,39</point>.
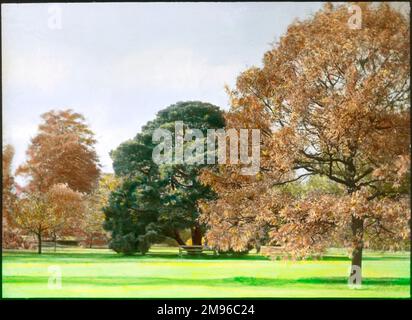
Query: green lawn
<point>102,273</point>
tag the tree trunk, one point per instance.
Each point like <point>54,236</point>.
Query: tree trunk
<point>357,256</point>
<point>177,237</point>
<point>355,276</point>
<point>55,242</point>
<point>39,243</point>
<point>196,236</point>
<point>91,242</point>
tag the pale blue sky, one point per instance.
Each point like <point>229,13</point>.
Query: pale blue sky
<point>118,64</point>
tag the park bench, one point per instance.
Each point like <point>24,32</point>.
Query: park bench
<point>195,250</point>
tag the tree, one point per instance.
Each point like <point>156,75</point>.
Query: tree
<point>168,193</point>
<point>236,220</point>
<point>131,229</point>
<point>11,236</point>
<point>91,225</point>
<point>8,196</point>
<point>51,212</point>
<point>62,152</point>
<point>332,102</point>
<point>244,216</point>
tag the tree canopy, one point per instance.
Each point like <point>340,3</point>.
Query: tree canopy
<point>62,152</point>
<point>331,101</point>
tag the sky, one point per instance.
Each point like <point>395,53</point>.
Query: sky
<point>120,63</point>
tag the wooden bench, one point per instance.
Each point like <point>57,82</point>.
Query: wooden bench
<point>207,248</point>
<point>194,250</point>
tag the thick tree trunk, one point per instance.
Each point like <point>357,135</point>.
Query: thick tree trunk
<point>196,236</point>
<point>39,243</point>
<point>357,256</point>
<point>356,268</point>
<point>177,237</point>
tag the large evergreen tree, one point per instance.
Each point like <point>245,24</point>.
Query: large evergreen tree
<point>158,201</point>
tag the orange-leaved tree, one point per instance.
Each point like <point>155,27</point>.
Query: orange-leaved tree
<point>49,213</point>
<point>11,236</point>
<point>8,195</point>
<point>330,101</point>
<point>62,152</point>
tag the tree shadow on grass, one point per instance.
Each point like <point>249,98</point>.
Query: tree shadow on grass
<point>112,257</point>
<point>365,258</point>
<point>212,282</point>
<point>320,281</point>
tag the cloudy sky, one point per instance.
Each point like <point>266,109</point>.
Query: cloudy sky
<point>118,64</point>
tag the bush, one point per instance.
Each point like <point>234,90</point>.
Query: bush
<point>127,244</point>
<point>131,229</point>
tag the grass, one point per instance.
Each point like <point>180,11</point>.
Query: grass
<point>162,274</point>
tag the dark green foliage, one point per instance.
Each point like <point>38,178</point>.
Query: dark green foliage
<point>164,198</point>
<point>131,228</point>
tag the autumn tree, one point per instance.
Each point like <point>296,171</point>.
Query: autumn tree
<point>46,213</point>
<point>236,219</point>
<point>90,226</point>
<point>62,152</point>
<point>244,216</point>
<point>11,235</point>
<point>8,195</point>
<point>330,101</point>
<point>61,162</point>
